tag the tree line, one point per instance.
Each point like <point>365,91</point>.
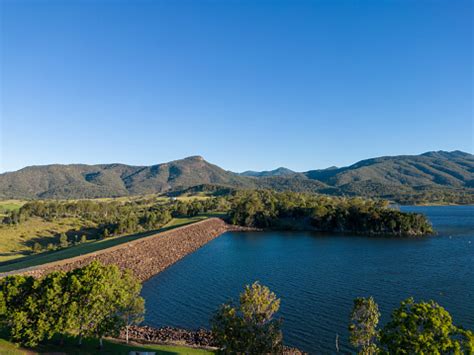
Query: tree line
<point>103,219</point>
<point>255,208</point>
<point>97,301</point>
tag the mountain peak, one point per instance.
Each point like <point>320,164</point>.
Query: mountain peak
<point>194,157</point>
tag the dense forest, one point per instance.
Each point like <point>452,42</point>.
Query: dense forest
<point>252,208</point>
<point>289,210</point>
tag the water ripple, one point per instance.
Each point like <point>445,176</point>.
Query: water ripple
<point>317,277</point>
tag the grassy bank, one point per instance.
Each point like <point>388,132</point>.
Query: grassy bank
<point>89,247</point>
<point>16,240</point>
<point>22,234</point>
<point>90,347</point>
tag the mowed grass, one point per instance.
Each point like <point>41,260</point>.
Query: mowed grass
<point>90,346</point>
<point>90,247</point>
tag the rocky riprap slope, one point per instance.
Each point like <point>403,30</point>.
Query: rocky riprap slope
<point>167,335</point>
<point>147,256</point>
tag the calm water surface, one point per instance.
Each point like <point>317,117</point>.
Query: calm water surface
<point>317,277</point>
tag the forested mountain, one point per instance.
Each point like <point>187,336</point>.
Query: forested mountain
<point>277,172</point>
<point>110,180</point>
<point>454,169</point>
<point>430,177</point>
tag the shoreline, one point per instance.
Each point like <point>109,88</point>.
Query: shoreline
<point>200,338</point>
<point>150,255</point>
<point>146,256</point>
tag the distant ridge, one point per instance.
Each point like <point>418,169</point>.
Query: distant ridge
<point>277,172</point>
<point>393,177</point>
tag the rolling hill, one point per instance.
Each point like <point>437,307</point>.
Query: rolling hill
<point>433,176</point>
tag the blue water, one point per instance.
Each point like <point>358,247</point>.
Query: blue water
<point>317,276</point>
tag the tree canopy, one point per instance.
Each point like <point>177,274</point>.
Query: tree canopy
<point>93,301</point>
<point>414,328</point>
<point>249,327</point>
<point>363,327</point>
<point>290,210</point>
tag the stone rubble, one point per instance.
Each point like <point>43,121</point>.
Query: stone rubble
<point>146,256</point>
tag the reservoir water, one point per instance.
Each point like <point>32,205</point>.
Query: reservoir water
<point>317,276</point>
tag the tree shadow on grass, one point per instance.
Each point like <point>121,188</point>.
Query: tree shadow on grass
<point>53,237</point>
<point>77,250</point>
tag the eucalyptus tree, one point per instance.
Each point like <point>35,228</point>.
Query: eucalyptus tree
<point>131,306</point>
<point>363,325</point>
<point>249,327</point>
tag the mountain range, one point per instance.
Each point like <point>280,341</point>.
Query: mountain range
<point>436,174</point>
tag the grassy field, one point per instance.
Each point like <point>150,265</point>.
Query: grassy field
<point>16,240</point>
<point>90,347</point>
<point>10,205</point>
<point>89,247</point>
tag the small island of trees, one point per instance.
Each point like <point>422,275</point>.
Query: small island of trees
<point>289,210</point>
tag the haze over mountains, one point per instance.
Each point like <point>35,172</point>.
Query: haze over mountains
<point>388,177</point>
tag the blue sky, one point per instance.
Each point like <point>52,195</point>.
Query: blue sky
<point>246,84</point>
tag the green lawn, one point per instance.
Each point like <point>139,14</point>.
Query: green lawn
<point>89,247</point>
<point>91,347</point>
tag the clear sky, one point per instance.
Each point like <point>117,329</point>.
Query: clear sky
<point>246,84</point>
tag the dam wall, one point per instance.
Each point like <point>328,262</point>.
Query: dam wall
<point>146,256</point>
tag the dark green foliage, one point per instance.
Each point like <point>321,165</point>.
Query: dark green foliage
<point>249,328</point>
<point>208,189</point>
<point>287,210</point>
<point>86,302</point>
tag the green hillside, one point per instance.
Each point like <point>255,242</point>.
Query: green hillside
<point>436,177</point>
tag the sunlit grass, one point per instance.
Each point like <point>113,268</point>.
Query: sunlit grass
<point>90,247</point>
